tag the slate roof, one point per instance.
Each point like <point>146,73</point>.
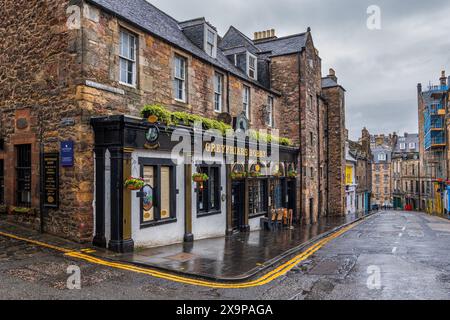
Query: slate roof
<point>283,46</point>
<point>146,16</point>
<point>410,138</point>
<point>236,39</point>
<point>378,150</point>
<point>329,83</point>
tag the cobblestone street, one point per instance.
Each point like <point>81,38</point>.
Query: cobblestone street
<point>408,249</point>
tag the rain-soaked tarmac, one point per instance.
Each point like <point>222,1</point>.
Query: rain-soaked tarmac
<point>235,257</point>
<point>391,255</point>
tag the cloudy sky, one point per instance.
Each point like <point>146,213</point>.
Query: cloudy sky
<point>379,68</point>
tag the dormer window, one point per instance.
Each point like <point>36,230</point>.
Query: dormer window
<point>252,66</point>
<point>210,41</point>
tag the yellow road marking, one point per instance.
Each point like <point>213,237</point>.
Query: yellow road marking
<point>265,279</point>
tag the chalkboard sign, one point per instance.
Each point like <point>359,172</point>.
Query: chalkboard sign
<point>67,153</point>
<point>51,180</point>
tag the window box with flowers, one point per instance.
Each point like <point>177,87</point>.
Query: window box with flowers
<point>134,184</point>
<point>23,211</point>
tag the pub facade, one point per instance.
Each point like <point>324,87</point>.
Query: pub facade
<point>171,207</point>
<point>72,134</point>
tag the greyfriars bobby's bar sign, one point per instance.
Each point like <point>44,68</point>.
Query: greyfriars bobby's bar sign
<point>236,151</point>
<point>51,180</point>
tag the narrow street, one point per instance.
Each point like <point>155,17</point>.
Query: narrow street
<point>391,255</point>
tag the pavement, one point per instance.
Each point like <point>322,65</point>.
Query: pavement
<point>391,255</point>
<point>237,257</point>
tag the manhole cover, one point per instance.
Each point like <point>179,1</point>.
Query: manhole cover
<point>182,257</point>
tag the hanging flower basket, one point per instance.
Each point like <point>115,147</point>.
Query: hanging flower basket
<point>255,174</point>
<point>292,174</point>
<point>134,184</point>
<point>238,175</point>
<point>277,174</point>
<point>200,177</point>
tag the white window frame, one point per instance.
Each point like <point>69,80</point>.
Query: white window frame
<point>129,58</point>
<point>246,100</point>
<point>412,145</point>
<point>254,69</point>
<point>206,41</point>
<point>218,92</point>
<point>382,157</point>
<point>270,106</point>
<point>403,146</point>
<point>177,79</point>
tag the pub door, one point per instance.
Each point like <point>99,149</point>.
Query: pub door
<point>291,195</point>
<point>237,203</point>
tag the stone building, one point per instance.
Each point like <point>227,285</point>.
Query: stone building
<point>334,95</point>
<point>433,145</point>
<point>74,78</point>
<point>382,146</point>
<point>406,173</point>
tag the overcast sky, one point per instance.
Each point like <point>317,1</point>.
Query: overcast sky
<point>380,69</point>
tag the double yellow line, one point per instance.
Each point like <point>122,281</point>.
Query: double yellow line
<point>267,278</point>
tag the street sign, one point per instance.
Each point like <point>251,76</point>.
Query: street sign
<point>67,153</point>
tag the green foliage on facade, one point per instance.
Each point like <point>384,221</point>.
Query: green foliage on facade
<point>187,119</point>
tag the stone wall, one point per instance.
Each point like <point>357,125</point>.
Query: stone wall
<point>155,69</point>
<point>40,69</point>
<point>335,97</point>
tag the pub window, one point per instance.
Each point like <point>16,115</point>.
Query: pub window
<point>158,202</point>
<point>23,175</point>
<point>127,58</point>
<point>208,197</point>
<point>179,80</point>
<point>2,182</point>
<point>257,197</point>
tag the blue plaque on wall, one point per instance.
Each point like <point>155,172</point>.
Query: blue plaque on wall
<point>67,153</point>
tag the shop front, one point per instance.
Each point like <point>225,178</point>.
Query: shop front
<point>158,185</point>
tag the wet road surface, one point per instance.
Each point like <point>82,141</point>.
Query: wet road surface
<point>392,255</point>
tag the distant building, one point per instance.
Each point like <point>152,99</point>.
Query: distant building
<point>381,175</point>
<point>433,148</point>
<point>406,173</point>
<point>362,153</point>
<point>350,181</point>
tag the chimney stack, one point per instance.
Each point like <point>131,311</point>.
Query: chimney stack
<point>264,35</point>
<point>332,75</point>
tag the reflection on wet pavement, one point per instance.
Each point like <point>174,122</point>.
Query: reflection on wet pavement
<point>232,257</point>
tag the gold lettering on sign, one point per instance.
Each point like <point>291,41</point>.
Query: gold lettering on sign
<point>218,148</point>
